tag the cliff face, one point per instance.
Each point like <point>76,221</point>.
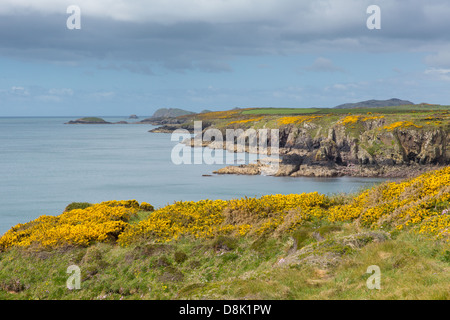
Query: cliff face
<point>373,150</point>
<point>372,147</point>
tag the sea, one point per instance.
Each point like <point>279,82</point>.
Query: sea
<point>46,164</point>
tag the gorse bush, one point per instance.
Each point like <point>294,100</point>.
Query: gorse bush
<point>420,204</point>
<point>400,205</point>
<point>78,227</point>
<point>77,205</point>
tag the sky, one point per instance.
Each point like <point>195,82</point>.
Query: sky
<point>136,56</point>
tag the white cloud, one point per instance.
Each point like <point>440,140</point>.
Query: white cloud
<point>102,94</point>
<point>48,98</point>
<point>439,73</point>
<point>20,91</point>
<point>323,65</point>
<point>61,91</point>
<point>441,59</point>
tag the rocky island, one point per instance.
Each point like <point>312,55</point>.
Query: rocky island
<point>93,120</point>
<point>89,120</point>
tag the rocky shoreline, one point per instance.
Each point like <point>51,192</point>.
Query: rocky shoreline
<point>331,171</point>
<point>401,153</point>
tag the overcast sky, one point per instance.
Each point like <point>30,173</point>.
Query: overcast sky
<point>135,56</point>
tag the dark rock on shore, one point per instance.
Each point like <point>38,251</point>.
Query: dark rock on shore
<point>169,128</point>
<point>324,171</point>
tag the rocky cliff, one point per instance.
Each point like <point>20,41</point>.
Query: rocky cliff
<point>376,150</point>
<point>392,141</point>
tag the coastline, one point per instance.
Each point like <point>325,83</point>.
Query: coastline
<point>302,166</point>
<point>398,142</point>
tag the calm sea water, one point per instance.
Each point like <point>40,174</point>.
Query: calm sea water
<point>45,165</point>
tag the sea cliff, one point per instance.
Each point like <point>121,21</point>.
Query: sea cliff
<point>389,142</point>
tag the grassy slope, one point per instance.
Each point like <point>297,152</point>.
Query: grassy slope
<point>411,268</point>
<point>395,109</point>
<point>321,259</point>
<point>426,117</point>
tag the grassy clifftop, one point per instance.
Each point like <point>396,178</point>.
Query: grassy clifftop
<point>300,246</point>
<point>423,114</point>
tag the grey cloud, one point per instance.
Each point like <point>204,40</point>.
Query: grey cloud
<point>138,68</point>
<point>207,40</point>
<point>440,59</point>
<point>214,66</point>
<point>323,65</point>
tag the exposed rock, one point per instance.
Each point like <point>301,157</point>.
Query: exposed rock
<point>164,129</point>
<point>249,169</point>
<point>315,171</point>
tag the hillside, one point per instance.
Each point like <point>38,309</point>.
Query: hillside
<point>170,113</point>
<point>299,246</point>
<point>375,104</point>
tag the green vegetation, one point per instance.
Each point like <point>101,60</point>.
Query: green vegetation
<point>412,267</point>
<point>77,205</point>
<point>306,246</point>
<point>320,120</point>
<point>170,112</point>
<point>425,108</point>
<point>92,119</point>
<point>280,111</point>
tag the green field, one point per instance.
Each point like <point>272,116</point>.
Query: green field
<point>280,111</point>
<point>385,110</point>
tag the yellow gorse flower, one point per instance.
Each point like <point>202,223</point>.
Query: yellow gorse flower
<point>100,222</point>
<point>421,203</point>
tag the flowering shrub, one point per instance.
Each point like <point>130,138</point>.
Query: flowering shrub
<point>402,204</point>
<point>297,119</point>
<point>208,218</point>
<point>400,124</point>
<point>351,119</point>
<point>219,114</point>
<point>146,207</point>
<point>200,219</point>
<point>245,121</point>
<point>100,222</point>
<point>421,203</point>
<point>436,225</point>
